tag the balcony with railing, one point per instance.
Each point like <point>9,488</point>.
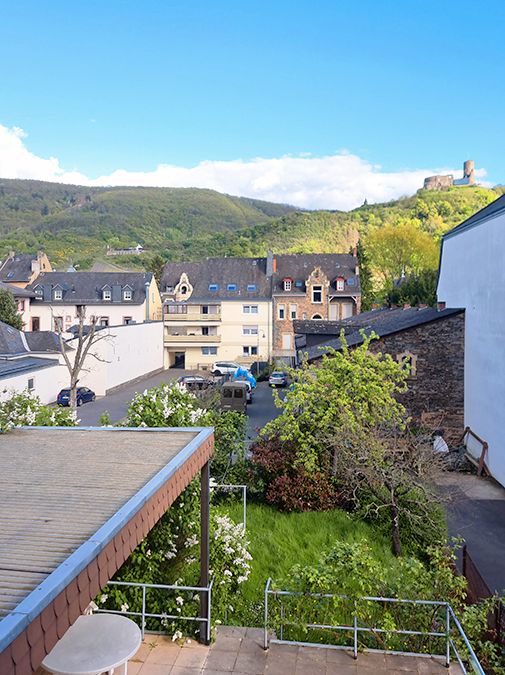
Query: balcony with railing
<point>191,313</point>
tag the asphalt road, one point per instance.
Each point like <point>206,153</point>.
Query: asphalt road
<point>259,412</point>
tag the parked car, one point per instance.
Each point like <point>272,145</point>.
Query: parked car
<point>234,396</point>
<point>83,394</point>
<point>194,382</point>
<point>224,368</point>
<point>278,379</point>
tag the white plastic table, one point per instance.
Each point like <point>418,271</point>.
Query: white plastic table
<point>95,644</point>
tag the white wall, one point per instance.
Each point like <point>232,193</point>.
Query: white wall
<point>472,275</point>
<point>126,353</point>
<point>116,314</point>
<point>47,382</point>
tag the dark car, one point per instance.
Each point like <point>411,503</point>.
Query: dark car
<point>194,382</point>
<point>278,379</point>
<point>83,394</point>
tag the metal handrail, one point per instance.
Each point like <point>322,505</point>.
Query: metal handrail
<point>450,622</point>
<point>172,587</point>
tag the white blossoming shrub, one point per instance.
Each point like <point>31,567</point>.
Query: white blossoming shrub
<point>25,409</point>
<point>168,405</point>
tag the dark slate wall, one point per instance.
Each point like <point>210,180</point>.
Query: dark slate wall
<point>436,392</point>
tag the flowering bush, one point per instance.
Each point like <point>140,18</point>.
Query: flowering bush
<point>25,409</point>
<point>170,555</point>
<point>168,405</point>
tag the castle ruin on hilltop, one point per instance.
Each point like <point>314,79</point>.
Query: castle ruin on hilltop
<point>443,182</point>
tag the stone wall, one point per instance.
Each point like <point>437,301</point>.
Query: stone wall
<point>436,389</point>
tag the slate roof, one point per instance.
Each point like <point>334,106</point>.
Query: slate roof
<point>18,268</point>
<point>221,271</point>
<point>383,322</point>
<point>489,211</point>
<point>11,340</point>
<point>85,288</point>
<point>299,266</point>
<point>24,364</point>
<point>42,341</point>
<point>16,292</point>
<point>244,272</point>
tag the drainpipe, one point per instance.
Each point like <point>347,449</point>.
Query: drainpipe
<point>147,299</point>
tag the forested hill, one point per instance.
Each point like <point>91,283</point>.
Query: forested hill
<point>77,222</point>
<point>74,223</point>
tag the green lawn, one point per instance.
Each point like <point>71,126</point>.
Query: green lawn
<point>281,540</point>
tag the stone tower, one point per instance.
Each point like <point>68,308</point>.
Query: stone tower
<point>469,171</point>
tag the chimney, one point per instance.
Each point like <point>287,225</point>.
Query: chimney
<point>406,305</point>
<point>271,265</point>
<point>440,306</point>
<point>421,305</point>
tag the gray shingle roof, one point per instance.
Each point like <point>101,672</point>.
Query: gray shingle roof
<point>25,364</point>
<point>11,340</point>
<point>42,341</point>
<point>18,268</point>
<point>299,266</point>
<point>85,288</point>
<point>244,272</point>
<point>382,321</point>
<point>16,292</point>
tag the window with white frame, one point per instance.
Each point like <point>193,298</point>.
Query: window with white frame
<point>249,350</point>
<point>104,321</point>
<point>317,294</point>
<point>293,310</point>
<point>281,312</point>
<point>287,284</point>
<point>106,294</point>
<point>208,351</point>
<point>340,284</point>
<point>249,330</point>
<point>57,294</point>
<point>250,309</point>
<point>127,294</point>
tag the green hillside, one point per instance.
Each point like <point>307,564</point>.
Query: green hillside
<point>78,223</point>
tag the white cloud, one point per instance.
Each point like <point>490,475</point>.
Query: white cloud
<point>340,181</point>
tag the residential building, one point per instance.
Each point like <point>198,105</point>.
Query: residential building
<point>110,298</point>
<point>217,309</point>
<point>311,287</point>
<point>472,275</point>
<point>429,341</point>
<point>23,298</point>
<point>21,269</point>
<point>242,309</point>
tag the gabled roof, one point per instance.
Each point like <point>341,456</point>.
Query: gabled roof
<point>18,268</point>
<point>16,292</point>
<point>85,288</point>
<point>242,272</point>
<point>490,211</point>
<point>298,266</point>
<point>14,342</point>
<point>383,322</point>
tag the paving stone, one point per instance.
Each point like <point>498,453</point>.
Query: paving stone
<point>154,669</point>
<point>403,663</point>
<point>227,643</point>
<point>164,653</point>
<point>192,657</point>
<point>251,663</point>
<point>231,631</point>
<point>221,660</point>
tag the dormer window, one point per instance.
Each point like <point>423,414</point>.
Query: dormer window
<point>288,283</point>
<point>184,290</point>
<point>340,284</point>
<point>39,292</point>
<point>213,288</point>
<point>127,294</point>
<point>231,288</point>
<point>57,294</point>
<point>107,294</point>
<point>251,288</point>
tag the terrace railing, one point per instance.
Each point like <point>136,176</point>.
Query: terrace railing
<point>446,627</point>
<point>146,614</point>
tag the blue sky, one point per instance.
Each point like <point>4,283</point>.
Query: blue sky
<point>107,86</point>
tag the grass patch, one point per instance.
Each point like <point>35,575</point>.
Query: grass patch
<point>281,540</point>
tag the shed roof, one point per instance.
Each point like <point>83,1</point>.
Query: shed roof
<point>66,494</point>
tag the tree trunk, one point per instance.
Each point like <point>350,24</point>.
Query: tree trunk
<point>395,526</point>
<point>73,394</point>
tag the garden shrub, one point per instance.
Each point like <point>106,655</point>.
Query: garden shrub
<point>288,485</point>
<point>25,409</point>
